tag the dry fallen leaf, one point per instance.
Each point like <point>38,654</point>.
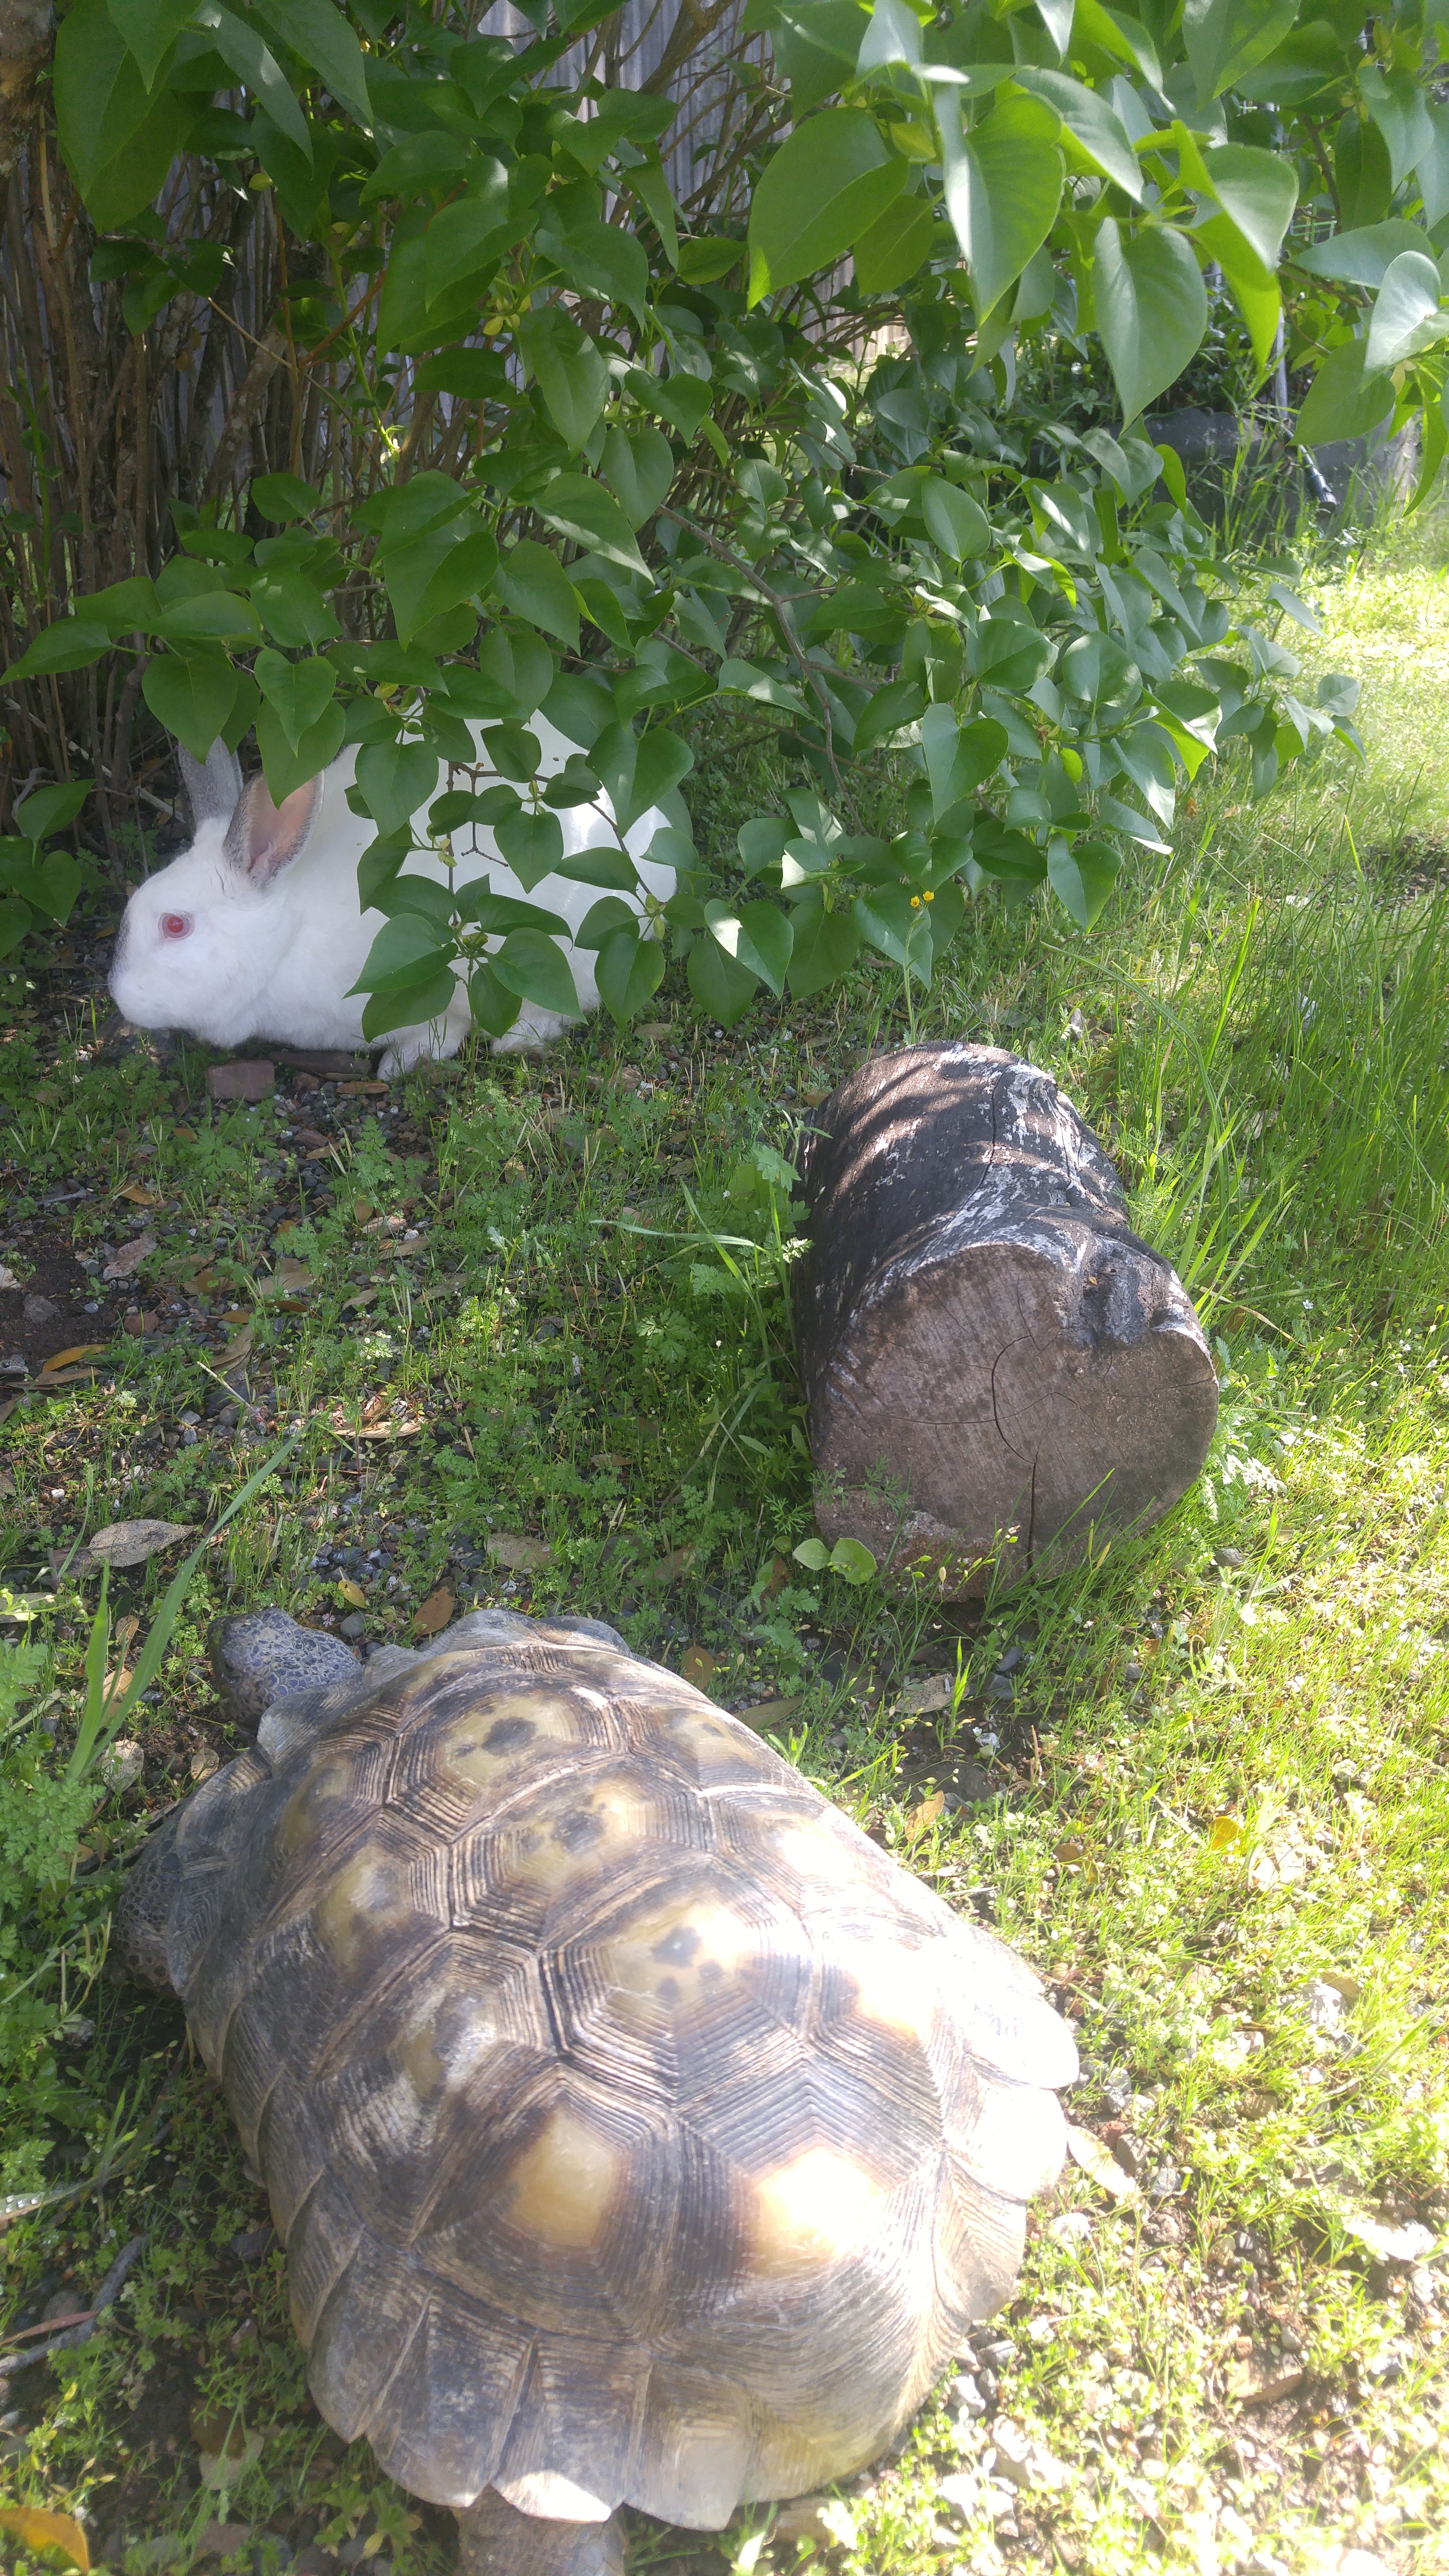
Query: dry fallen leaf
<point>7,1277</point>
<point>1099,2164</point>
<point>1410,2244</point>
<point>139,1195</point>
<point>921,1699</point>
<point>436,1611</point>
<point>130,1257</point>
<point>204,1761</point>
<point>1225,1834</point>
<point>1258,2381</point>
<point>928,1813</point>
<point>36,2529</point>
<point>352,1592</point>
<point>285,1281</point>
<point>519,1554</point>
<point>67,1358</point>
<point>767,1714</point>
<point>698,1666</point>
<point>132,1542</point>
<point>239,1347</point>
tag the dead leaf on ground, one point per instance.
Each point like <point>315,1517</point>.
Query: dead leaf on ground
<point>375,1408</point>
<point>130,1257</point>
<point>36,2529</point>
<point>68,1358</point>
<point>204,1761</point>
<point>1099,2164</point>
<point>1225,1834</point>
<point>286,1280</point>
<point>123,1543</point>
<point>698,1666</point>
<point>436,1611</point>
<point>1410,2244</point>
<point>928,1813</point>
<point>1266,2376</point>
<point>519,1554</point>
<point>670,1567</point>
<point>140,1196</point>
<point>352,1592</point>
<point>239,1347</point>
<point>921,1699</point>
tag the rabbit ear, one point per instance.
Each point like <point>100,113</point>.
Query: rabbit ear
<point>265,838</point>
<point>213,786</point>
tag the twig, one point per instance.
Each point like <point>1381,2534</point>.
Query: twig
<point>774,599</point>
<point>85,2325</point>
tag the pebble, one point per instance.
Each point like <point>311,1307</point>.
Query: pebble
<point>965,2396</point>
<point>123,1764</point>
<point>40,1310</point>
<point>354,1625</point>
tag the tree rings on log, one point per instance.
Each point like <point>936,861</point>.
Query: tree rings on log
<point>1002,1376</point>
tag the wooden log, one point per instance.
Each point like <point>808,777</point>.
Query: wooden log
<point>1001,1374</point>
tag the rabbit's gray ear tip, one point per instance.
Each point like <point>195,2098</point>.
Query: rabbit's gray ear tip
<point>213,786</point>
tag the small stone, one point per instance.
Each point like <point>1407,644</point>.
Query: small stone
<point>1322,2004</point>
<point>1132,1672</point>
<point>1423,2289</point>
<point>204,1761</point>
<point>964,2395</point>
<point>1361,2562</point>
<point>251,1078</point>
<point>122,1765</point>
<point>1264,2378</point>
<point>825,2520</point>
<point>354,1625</point>
<point>223,2539</point>
<point>251,2243</point>
<point>1076,1026</point>
<point>40,1310</point>
<point>960,2495</point>
<point>1071,2227</point>
<point>1025,2461</point>
<point>1391,2244</point>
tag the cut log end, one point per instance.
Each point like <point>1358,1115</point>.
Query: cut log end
<point>1002,1377</point>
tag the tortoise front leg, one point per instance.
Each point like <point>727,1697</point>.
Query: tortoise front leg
<point>497,2540</point>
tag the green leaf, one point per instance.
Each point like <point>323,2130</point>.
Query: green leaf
<point>1225,38</point>
<point>720,984</point>
<point>891,249</point>
<point>1258,191</point>
<point>583,510</point>
<point>1346,399</point>
<point>828,183</point>
<point>410,1006</point>
<point>323,38</point>
<point>243,52</point>
<point>436,572</point>
<point>888,922</point>
<point>681,400</point>
<point>898,703</point>
<point>466,238</point>
<point>1150,307</point>
<point>825,948</point>
<point>572,375</point>
<point>1406,317</point>
<point>708,257</point>
<point>660,763</point>
<point>532,582</point>
<point>70,645</point>
<point>756,936</point>
<point>497,913</point>
<point>1361,257</point>
<point>118,137</point>
<point>47,809</point>
<point>959,759</point>
<point>1432,168</point>
<point>1093,124</point>
<point>532,844</point>
<point>1082,878</point>
<point>297,691</point>
<point>292,609</point>
<point>852,1560</point>
<point>289,764</point>
<point>192,695</point>
<point>149,29</point>
<point>1008,654</point>
<point>395,780</point>
<point>1400,111</point>
<point>816,44</point>
<point>1097,672</point>
<point>601,260</point>
<point>16,922</point>
<point>1255,289</point>
<point>600,866</point>
<point>215,615</point>
<point>52,884</point>
<point>638,466</point>
<point>893,36</point>
<point>954,522</point>
<point>494,1008</point>
<point>603,918</point>
<point>406,952</point>
<point>1002,189</point>
<point>518,664</point>
<point>812,1552</point>
<point>535,967</point>
<point>284,497</point>
<point>629,971</point>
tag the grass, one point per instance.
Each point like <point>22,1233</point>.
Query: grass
<point>1215,1772</point>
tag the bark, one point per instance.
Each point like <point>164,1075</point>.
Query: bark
<point>1001,1375</point>
<point>27,34</point>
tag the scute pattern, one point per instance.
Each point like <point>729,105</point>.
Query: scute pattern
<point>639,2131</point>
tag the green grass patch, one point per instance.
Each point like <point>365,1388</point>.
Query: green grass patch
<point>529,1324</point>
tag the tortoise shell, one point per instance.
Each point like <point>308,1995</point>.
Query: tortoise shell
<point>638,2130</point>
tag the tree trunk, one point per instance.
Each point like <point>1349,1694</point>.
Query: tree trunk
<point>1001,1376</point>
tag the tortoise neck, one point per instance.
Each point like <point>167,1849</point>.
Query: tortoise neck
<point>495,2539</point>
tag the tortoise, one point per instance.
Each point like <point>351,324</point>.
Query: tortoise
<point>640,2133</point>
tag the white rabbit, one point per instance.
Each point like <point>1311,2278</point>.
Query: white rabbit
<point>255,931</point>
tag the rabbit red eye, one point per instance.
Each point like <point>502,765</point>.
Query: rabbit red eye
<point>175,925</point>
